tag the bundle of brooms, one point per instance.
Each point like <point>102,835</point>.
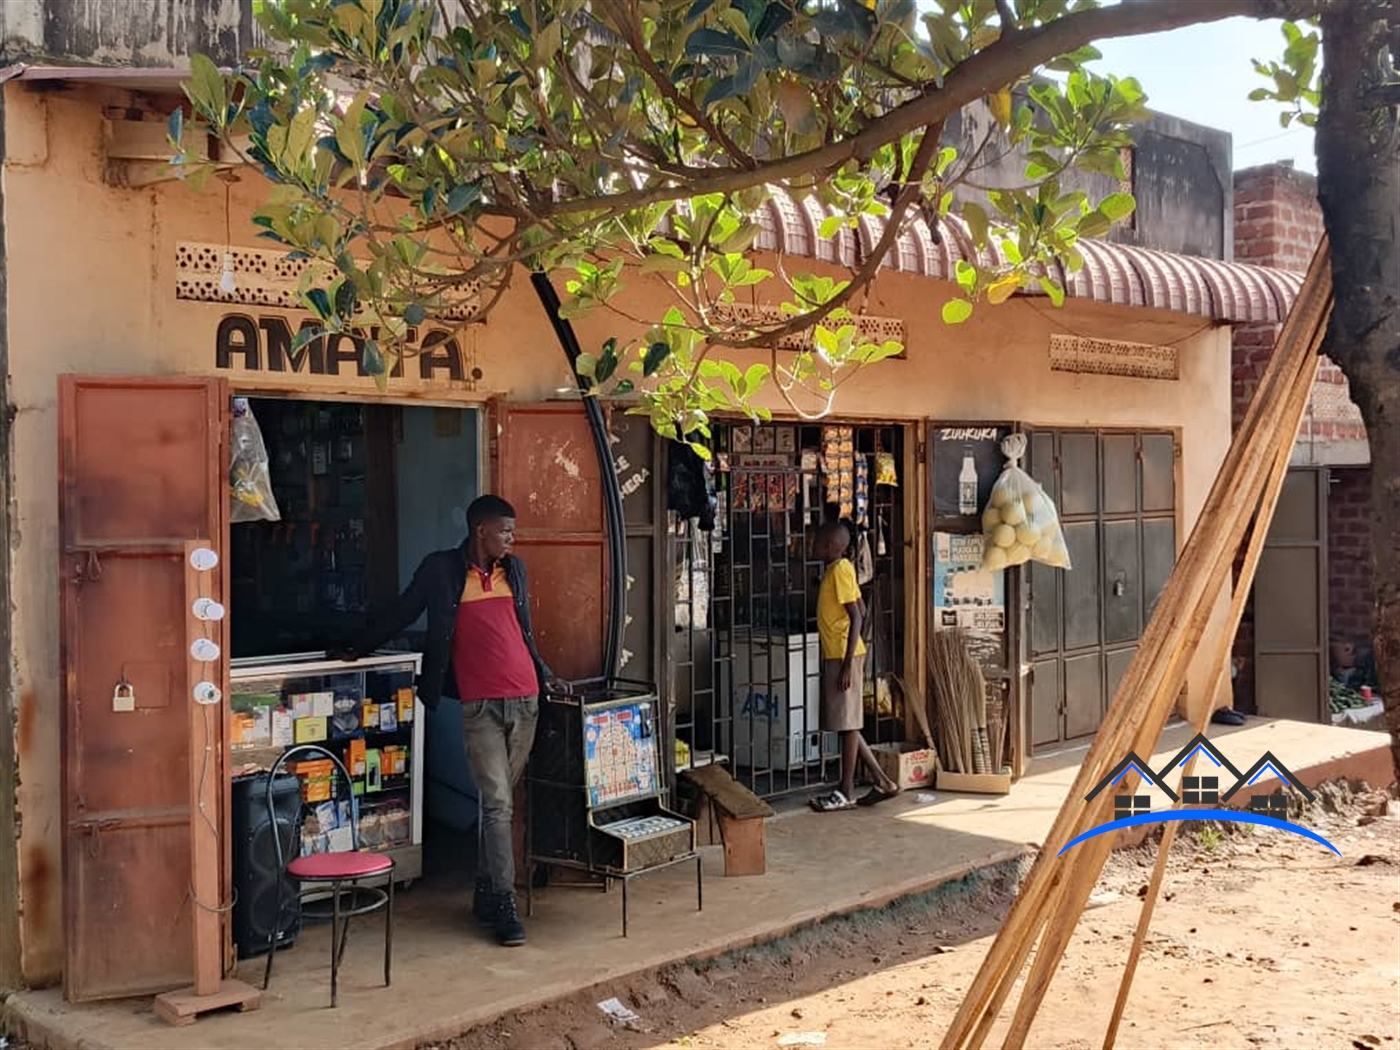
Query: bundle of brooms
<point>960,704</point>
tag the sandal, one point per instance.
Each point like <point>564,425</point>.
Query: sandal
<point>832,802</point>
<point>875,796</point>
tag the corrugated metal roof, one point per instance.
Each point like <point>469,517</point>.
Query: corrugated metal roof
<point>1119,274</point>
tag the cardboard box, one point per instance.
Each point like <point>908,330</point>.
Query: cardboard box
<point>388,718</point>
<point>309,730</point>
<point>369,715</point>
<point>374,771</point>
<point>405,698</point>
<point>355,758</point>
<point>250,728</point>
<point>282,732</point>
<point>322,705</point>
<point>975,783</point>
<point>908,765</point>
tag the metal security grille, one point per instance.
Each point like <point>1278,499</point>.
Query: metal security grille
<point>745,660</point>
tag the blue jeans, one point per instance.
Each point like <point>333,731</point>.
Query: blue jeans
<point>498,735</point>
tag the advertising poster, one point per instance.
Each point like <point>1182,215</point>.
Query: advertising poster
<point>965,596</point>
<point>966,463</point>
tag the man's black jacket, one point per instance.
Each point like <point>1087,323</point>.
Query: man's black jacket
<point>437,587</point>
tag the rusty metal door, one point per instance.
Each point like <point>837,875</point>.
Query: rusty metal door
<point>140,471</point>
<point>546,466</point>
<point>1290,603</point>
<point>1116,494</point>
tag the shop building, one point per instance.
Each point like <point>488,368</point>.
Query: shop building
<point>124,355</point>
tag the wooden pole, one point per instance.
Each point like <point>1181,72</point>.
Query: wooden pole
<point>210,990</point>
<point>1243,585</point>
<point>1156,673</point>
<point>1086,872</point>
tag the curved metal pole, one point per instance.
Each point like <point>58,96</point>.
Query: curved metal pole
<point>612,488</point>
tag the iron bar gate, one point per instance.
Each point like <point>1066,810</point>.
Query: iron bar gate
<point>745,660</point>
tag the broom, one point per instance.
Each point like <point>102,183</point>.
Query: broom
<point>960,700</point>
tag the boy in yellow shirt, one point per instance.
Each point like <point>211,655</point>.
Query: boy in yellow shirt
<point>839,615</point>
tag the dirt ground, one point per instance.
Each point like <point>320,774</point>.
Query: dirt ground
<point>1261,939</point>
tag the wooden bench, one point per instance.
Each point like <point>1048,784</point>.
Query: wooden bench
<point>741,816</point>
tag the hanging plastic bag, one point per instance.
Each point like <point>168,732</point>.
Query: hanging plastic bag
<point>250,483</point>
<point>865,564</point>
<point>1020,524</point>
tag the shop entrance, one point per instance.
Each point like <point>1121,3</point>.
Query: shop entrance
<point>744,657</point>
<point>1116,493</point>
<point>362,493</point>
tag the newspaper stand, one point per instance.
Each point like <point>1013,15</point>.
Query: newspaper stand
<point>594,786</point>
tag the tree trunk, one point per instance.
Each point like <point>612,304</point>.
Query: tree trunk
<point>1358,168</point>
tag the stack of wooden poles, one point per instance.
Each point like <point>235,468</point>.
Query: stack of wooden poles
<point>1236,517</point>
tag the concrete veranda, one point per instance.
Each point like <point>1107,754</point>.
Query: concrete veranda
<point>448,977</point>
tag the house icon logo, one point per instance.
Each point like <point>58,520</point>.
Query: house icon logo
<point>1210,794</point>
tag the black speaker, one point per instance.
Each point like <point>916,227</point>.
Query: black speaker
<point>255,871</point>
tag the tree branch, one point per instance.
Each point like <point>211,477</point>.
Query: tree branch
<point>1000,63</point>
<point>923,159</point>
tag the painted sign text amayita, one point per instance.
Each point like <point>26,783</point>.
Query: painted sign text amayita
<point>264,344</point>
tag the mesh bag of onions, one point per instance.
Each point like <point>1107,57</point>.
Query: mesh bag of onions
<point>1020,523</point>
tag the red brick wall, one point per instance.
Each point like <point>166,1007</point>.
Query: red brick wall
<point>1278,223</point>
<point>1277,219</point>
<point>1351,602</point>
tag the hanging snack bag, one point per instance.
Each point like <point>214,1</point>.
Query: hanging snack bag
<point>250,483</point>
<point>1020,523</point>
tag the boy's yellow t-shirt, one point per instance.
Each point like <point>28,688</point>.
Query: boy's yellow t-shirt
<point>838,587</point>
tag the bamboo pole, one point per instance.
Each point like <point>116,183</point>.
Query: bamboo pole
<point>1253,553</point>
<point>1080,885</point>
<point>1077,888</point>
<point>1183,609</point>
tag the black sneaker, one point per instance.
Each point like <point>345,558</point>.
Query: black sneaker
<point>510,931</point>
<point>485,904</point>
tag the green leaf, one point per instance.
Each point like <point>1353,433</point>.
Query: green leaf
<point>977,223</point>
<point>462,197</point>
<point>1118,206</point>
<point>586,366</point>
<point>655,357</point>
<point>175,126</point>
<point>320,303</point>
<point>415,314</point>
<point>967,275</point>
<point>956,311</point>
<point>371,358</point>
<point>714,43</point>
<point>1054,290</point>
<point>205,88</point>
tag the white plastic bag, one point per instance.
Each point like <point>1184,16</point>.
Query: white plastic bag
<point>250,483</point>
<point>1020,523</point>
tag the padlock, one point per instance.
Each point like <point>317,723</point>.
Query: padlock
<point>124,697</point>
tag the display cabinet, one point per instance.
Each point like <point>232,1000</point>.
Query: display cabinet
<point>368,712</point>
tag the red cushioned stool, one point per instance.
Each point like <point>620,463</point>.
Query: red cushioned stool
<point>344,873</point>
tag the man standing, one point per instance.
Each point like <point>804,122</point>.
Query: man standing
<point>480,650</point>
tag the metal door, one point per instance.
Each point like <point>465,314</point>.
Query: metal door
<point>547,467</point>
<point>141,471</point>
<point>1116,494</point>
<point>1290,603</point>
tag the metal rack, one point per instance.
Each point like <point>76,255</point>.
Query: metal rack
<point>595,788</point>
